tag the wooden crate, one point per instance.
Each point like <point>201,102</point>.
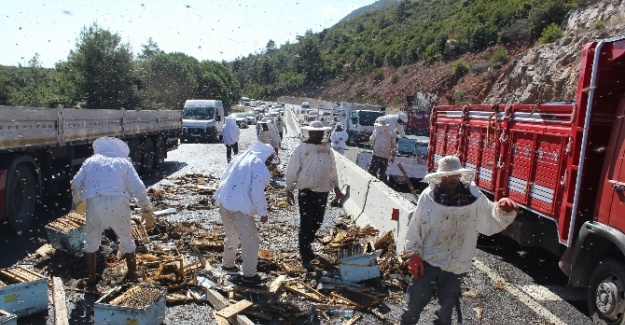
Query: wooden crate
<point>25,292</point>
<point>117,306</point>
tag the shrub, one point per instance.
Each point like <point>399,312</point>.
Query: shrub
<point>599,25</point>
<point>431,53</point>
<point>500,57</point>
<point>460,68</point>
<point>551,33</point>
<point>394,78</point>
<point>460,97</point>
<point>378,76</point>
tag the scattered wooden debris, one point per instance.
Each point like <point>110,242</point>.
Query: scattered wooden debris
<point>305,290</point>
<point>219,302</point>
<point>44,250</point>
<point>293,268</point>
<point>354,298</point>
<point>58,299</point>
<point>276,284</point>
<point>267,255</point>
<point>140,234</point>
<point>234,309</point>
<point>353,320</point>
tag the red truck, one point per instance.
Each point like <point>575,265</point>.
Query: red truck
<point>564,163</point>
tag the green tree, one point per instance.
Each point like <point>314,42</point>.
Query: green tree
<point>34,86</point>
<point>149,49</point>
<point>545,13</point>
<point>101,70</point>
<point>168,80</point>
<point>217,82</point>
<point>270,47</point>
<point>310,62</point>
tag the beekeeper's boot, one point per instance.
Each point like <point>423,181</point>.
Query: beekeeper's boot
<point>131,262</point>
<point>90,260</point>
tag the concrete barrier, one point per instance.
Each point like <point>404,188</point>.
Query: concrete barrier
<point>358,181</point>
<point>381,200</point>
<point>371,202</point>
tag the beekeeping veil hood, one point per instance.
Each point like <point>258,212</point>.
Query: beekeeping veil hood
<point>111,147</point>
<point>258,150</point>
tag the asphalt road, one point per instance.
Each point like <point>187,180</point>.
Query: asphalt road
<point>507,285</point>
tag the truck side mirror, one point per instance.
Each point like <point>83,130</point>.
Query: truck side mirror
<point>354,120</point>
<point>218,118</point>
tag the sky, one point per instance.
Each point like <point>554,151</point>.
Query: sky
<point>205,29</point>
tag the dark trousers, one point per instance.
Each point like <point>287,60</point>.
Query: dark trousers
<point>230,148</point>
<point>312,208</point>
<point>377,167</point>
<point>420,292</point>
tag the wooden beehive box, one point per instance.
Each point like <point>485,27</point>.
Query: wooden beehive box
<point>67,233</point>
<point>23,292</point>
<point>137,305</point>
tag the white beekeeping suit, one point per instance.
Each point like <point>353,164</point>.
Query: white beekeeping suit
<point>395,122</point>
<point>268,133</point>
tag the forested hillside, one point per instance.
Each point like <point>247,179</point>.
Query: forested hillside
<point>381,45</point>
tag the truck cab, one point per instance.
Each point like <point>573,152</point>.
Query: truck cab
<point>202,119</point>
<point>359,123</point>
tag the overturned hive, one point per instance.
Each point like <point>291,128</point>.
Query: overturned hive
<point>138,304</point>
<point>66,233</point>
<point>23,292</point>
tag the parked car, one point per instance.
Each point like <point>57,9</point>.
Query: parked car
<point>241,119</point>
<point>311,115</point>
<point>250,117</point>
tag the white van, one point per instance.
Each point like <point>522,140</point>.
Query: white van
<point>202,119</point>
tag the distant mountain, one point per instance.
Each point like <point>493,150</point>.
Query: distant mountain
<point>380,4</point>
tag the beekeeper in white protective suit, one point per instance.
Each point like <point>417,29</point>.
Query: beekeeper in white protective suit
<point>338,138</point>
<point>268,133</point>
<point>442,236</point>
<point>241,196</point>
<point>395,122</point>
<point>230,132</point>
<point>106,182</point>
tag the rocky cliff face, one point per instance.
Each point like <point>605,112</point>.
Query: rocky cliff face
<point>548,72</point>
<point>534,72</point>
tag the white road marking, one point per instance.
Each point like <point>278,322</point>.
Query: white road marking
<point>554,293</point>
<point>519,294</point>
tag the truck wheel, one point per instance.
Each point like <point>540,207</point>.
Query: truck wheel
<point>606,293</point>
<point>147,158</point>
<point>135,153</point>
<point>21,198</point>
<point>160,152</point>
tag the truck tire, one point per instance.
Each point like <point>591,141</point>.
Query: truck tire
<point>147,158</point>
<point>135,153</point>
<point>606,293</point>
<point>160,152</point>
<point>21,199</point>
